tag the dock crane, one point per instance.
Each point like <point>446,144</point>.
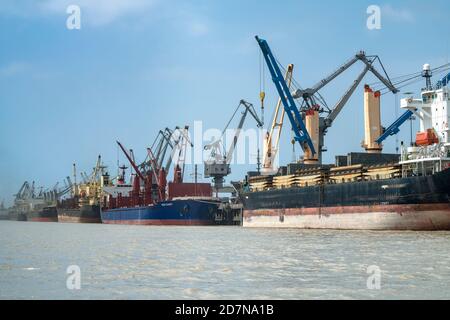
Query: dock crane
<point>159,175</point>
<point>394,128</point>
<point>160,146</point>
<point>301,135</point>
<point>309,101</point>
<point>218,166</point>
<point>165,143</point>
<point>272,141</point>
<point>179,153</point>
<point>310,98</point>
<point>135,193</point>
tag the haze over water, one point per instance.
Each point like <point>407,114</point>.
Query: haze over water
<point>140,262</point>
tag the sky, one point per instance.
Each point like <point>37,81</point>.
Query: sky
<point>138,66</point>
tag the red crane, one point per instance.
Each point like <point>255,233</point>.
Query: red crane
<point>136,199</point>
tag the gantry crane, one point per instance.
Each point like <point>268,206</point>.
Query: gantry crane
<point>218,166</point>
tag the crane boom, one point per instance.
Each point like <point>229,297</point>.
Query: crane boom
<point>394,128</point>
<point>322,83</point>
<point>130,159</point>
<point>308,95</point>
<point>155,171</point>
<point>248,109</point>
<point>298,126</point>
<point>341,103</point>
<point>271,149</point>
<point>180,150</point>
<point>218,166</point>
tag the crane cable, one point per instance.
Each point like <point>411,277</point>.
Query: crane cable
<point>410,78</point>
<point>262,85</point>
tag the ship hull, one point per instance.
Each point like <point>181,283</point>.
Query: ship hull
<point>413,203</point>
<point>4,215</point>
<point>84,214</point>
<point>176,212</point>
<point>48,214</point>
<point>17,216</point>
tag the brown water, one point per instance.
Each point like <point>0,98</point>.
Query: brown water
<point>143,262</point>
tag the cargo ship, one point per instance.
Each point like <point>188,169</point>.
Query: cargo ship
<point>36,206</point>
<point>149,200</point>
<point>4,215</point>
<point>188,211</point>
<point>371,190</point>
<point>404,203</point>
<point>83,204</point>
<point>44,214</point>
<point>72,211</point>
<point>17,215</point>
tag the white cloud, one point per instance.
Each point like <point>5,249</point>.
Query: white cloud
<point>399,14</point>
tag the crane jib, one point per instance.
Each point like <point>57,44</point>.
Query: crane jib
<point>301,134</point>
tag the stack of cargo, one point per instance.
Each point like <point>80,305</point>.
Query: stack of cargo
<point>383,172</point>
<point>347,174</point>
<point>281,182</point>
<point>312,176</point>
<point>260,183</point>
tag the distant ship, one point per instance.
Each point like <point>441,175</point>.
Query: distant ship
<point>36,206</point>
<point>150,201</point>
<point>73,210</point>
<point>83,205</point>
<point>196,207</point>
<point>45,214</point>
<point>4,214</point>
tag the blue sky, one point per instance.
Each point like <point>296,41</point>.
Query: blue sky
<point>138,66</point>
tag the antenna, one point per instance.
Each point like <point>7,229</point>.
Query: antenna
<point>427,74</point>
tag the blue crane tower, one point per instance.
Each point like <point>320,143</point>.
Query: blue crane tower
<point>298,126</point>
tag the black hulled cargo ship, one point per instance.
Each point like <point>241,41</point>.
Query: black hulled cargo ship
<point>4,214</point>
<point>72,211</point>
<point>403,203</point>
<point>45,214</point>
<point>410,194</point>
<point>83,205</point>
<point>366,190</point>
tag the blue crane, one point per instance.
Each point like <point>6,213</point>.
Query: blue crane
<point>443,82</point>
<point>395,127</point>
<point>298,126</point>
